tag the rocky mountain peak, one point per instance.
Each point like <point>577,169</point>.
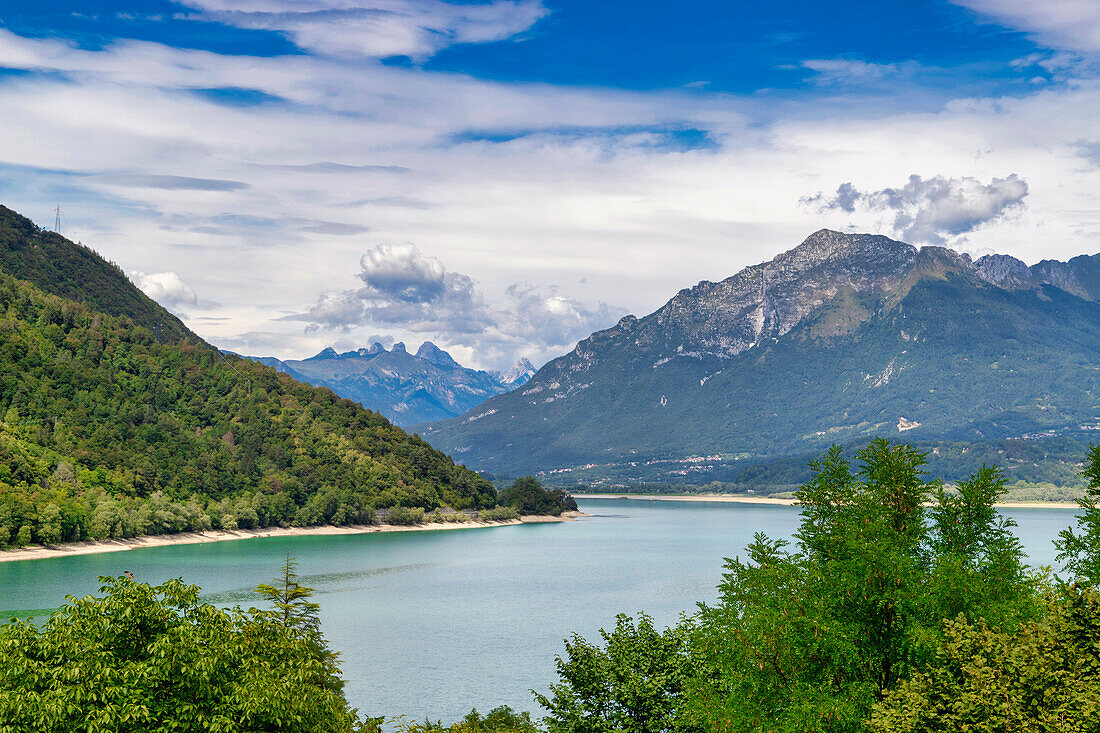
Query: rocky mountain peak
<point>827,245</point>
<point>398,348</point>
<point>375,348</point>
<point>1003,270</point>
<point>326,353</point>
<point>518,374</point>
<point>432,353</point>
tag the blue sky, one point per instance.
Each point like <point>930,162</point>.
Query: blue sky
<point>505,177</point>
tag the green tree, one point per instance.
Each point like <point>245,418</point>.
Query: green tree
<point>633,684</point>
<point>810,640</point>
<point>1079,551</point>
<point>291,600</point>
<point>297,613</point>
<point>1043,677</point>
<point>499,720</point>
<point>49,527</point>
<point>144,658</point>
<point>528,496</point>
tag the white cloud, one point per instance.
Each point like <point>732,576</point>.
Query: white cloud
<point>849,71</point>
<point>935,210</point>
<point>404,288</point>
<point>399,272</point>
<point>407,291</point>
<point>1067,24</point>
<point>167,288</point>
<point>360,153</point>
<point>379,28</point>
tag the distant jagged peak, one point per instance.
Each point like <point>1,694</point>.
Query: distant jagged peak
<point>375,348</point>
<point>398,348</point>
<point>431,353</point>
<point>940,260</point>
<point>326,353</point>
<point>1004,270</point>
<point>518,374</point>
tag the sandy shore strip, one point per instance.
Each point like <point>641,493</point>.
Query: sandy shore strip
<point>92,547</point>
<point>743,499</point>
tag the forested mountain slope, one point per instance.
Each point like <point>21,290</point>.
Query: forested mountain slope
<point>59,267</point>
<point>842,338</point>
<point>107,432</point>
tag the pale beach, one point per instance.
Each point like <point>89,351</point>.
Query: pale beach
<point>91,547</point>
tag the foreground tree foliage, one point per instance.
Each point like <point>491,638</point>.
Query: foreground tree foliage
<point>1044,677</point>
<point>1080,549</point>
<point>153,658</point>
<point>499,720</point>
<point>631,685</point>
<point>811,639</point>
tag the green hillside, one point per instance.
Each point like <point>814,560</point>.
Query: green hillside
<point>59,267</point>
<point>108,433</point>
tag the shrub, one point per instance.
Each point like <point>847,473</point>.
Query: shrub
<point>403,515</point>
<point>498,514</point>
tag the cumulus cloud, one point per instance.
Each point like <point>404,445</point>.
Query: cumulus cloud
<point>931,211</point>
<point>379,28</point>
<point>405,290</point>
<point>167,288</point>
<point>401,286</point>
<point>1070,24</point>
<point>541,315</point>
<point>400,272</point>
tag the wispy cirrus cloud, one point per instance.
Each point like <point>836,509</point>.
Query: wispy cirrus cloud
<point>1068,24</point>
<point>168,183</point>
<point>377,28</point>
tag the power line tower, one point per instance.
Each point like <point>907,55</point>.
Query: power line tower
<point>57,219</point>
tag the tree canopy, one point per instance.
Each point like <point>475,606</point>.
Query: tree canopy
<point>145,658</point>
<point>528,496</point>
<point>812,636</point>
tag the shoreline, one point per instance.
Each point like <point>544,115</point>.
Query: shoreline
<point>95,547</point>
<point>742,499</point>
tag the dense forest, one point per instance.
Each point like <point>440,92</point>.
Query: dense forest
<point>108,431</point>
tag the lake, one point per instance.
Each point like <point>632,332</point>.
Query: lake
<point>434,623</point>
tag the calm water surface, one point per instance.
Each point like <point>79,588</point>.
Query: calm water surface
<point>434,623</point>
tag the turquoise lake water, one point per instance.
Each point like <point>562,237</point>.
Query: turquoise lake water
<point>434,623</point>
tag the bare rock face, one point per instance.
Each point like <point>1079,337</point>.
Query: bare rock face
<point>1005,271</point>
<point>766,301</point>
<point>759,303</point>
<point>516,375</point>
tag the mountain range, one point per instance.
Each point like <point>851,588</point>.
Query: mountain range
<point>406,388</point>
<point>845,337</point>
